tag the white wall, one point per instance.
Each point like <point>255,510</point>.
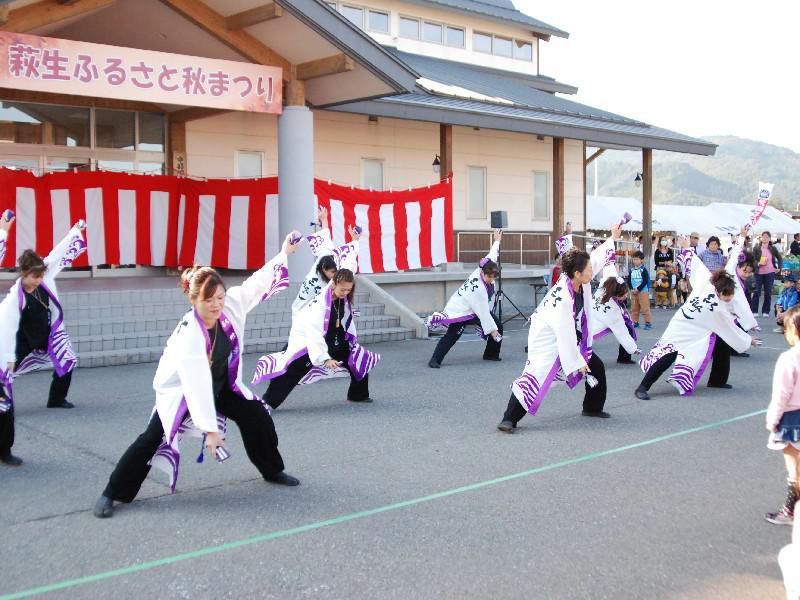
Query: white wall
<point>407,149</point>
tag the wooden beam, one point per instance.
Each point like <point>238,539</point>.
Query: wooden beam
<point>647,203</point>
<point>593,156</point>
<point>259,14</point>
<point>193,113</point>
<point>445,150</point>
<point>295,92</point>
<point>70,100</point>
<point>4,10</point>
<point>47,12</point>
<point>558,188</point>
<point>330,65</point>
<point>176,149</point>
<point>242,42</point>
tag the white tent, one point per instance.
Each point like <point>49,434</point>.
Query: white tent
<point>714,219</point>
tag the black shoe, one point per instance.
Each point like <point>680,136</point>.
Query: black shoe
<point>627,361</point>
<point>493,358</point>
<point>104,507</point>
<point>283,478</point>
<point>64,404</point>
<point>366,400</point>
<point>11,460</point>
<point>721,386</point>
<point>641,393</point>
<point>507,426</point>
<point>596,413</point>
<point>434,365</point>
<point>741,354</point>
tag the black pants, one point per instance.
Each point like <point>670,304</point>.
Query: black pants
<point>720,366</point>
<point>280,387</point>
<point>454,332</point>
<point>593,400</point>
<point>255,425</point>
<point>6,431</point>
<point>59,386</point>
<point>622,355</point>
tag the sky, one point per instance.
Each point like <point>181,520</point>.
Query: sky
<point>699,67</point>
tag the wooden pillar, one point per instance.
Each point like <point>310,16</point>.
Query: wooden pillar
<point>295,92</point>
<point>445,150</point>
<point>647,203</point>
<point>176,154</point>
<point>558,188</point>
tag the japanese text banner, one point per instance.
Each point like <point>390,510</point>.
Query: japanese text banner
<point>30,62</point>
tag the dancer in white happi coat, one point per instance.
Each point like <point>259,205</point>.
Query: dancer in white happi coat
<point>199,385</point>
<point>328,259</point>
<point>560,340</point>
<point>610,314</point>
<point>32,332</point>
<point>323,343</point>
<point>690,339</point>
<point>472,303</point>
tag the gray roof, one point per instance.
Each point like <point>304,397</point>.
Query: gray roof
<point>471,113</point>
<point>501,11</point>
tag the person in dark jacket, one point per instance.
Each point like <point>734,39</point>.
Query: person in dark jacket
<point>794,249</point>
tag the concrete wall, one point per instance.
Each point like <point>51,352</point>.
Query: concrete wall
<point>407,149</point>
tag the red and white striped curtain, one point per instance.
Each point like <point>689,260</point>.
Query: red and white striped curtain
<point>170,221</point>
<point>401,230</point>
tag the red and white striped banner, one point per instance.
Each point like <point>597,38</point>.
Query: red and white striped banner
<point>226,223</point>
<point>401,230</point>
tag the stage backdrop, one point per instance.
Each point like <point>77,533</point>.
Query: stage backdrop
<point>170,221</point>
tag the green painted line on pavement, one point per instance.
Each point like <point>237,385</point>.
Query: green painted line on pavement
<point>146,566</point>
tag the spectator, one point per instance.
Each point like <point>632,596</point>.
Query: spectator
<point>712,257</point>
<point>556,270</point>
<point>640,291</point>
<point>695,244</point>
<point>683,289</point>
<point>794,249</point>
<point>786,300</point>
<point>661,286</point>
<point>768,261</point>
<point>663,254</point>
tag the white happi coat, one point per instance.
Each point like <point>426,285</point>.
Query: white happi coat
<point>553,350</point>
<point>182,383</point>
<point>693,330</point>
<point>307,336</point>
<point>60,353</point>
<point>612,317</point>
<point>321,245</point>
<point>470,301</point>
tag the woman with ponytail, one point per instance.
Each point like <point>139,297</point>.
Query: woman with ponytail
<point>199,385</point>
<point>472,303</point>
<point>611,315</point>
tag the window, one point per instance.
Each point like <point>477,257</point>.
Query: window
<point>476,207</point>
<point>455,37</point>
<point>432,32</point>
<point>378,21</point>
<point>249,164</point>
<point>114,129</point>
<point>332,5</point>
<point>409,28</point>
<point>372,173</point>
<point>502,46</point>
<point>354,14</point>
<point>25,123</point>
<point>541,195</point>
<point>523,50</point>
<point>482,42</point>
<point>151,132</point>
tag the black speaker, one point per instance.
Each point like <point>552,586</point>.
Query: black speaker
<point>499,219</point>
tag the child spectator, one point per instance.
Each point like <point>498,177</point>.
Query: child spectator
<point>673,284</point>
<point>683,288</point>
<point>786,300</point>
<point>640,291</point>
<point>662,288</point>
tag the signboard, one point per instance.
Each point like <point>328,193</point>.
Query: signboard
<point>30,62</point>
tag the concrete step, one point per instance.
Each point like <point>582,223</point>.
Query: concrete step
<point>103,337</point>
<point>148,354</point>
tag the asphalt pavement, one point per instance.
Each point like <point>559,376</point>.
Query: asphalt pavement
<point>414,496</point>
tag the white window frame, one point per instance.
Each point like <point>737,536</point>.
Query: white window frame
<point>514,48</point>
<point>461,29</point>
<point>386,13</point>
<point>424,22</point>
<point>237,153</point>
<point>547,194</point>
<point>356,6</point>
<point>485,192</point>
<point>410,18</point>
<point>372,159</point>
<point>491,41</point>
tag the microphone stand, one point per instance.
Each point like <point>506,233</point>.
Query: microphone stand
<point>501,294</point>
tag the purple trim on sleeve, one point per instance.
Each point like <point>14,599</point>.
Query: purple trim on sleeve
<point>440,319</point>
<point>59,346</point>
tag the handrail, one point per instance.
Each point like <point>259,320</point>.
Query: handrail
<point>522,236</point>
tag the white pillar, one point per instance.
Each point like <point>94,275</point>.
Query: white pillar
<point>297,205</point>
